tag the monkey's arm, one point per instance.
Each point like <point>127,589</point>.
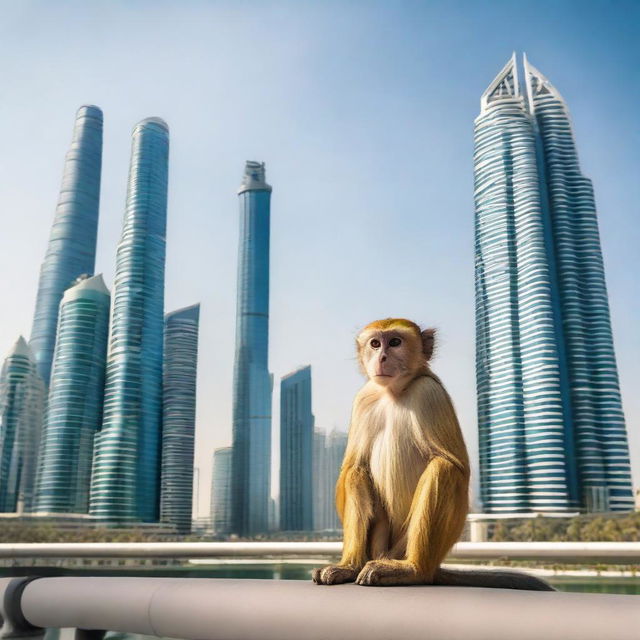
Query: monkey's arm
<point>354,503</point>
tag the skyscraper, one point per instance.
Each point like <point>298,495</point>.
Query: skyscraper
<point>320,494</point>
<point>74,408</point>
<point>252,383</point>
<point>296,451</point>
<point>125,479</point>
<point>72,243</point>
<point>179,416</point>
<point>328,452</point>
<point>221,491</point>
<point>21,408</point>
<point>551,426</point>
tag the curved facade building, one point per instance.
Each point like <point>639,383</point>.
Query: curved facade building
<point>179,416</point>
<point>125,481</point>
<point>74,408</point>
<point>72,243</point>
<point>252,382</point>
<point>21,408</point>
<point>296,452</point>
<point>551,428</point>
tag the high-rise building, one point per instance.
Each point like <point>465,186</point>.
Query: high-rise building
<point>22,394</point>
<point>125,480</point>
<point>179,416</point>
<point>296,452</point>
<point>252,382</point>
<point>328,452</point>
<point>551,428</point>
<point>221,491</point>
<point>72,244</point>
<point>76,390</point>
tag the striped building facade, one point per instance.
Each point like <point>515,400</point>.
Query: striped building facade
<point>552,435</point>
<point>125,480</point>
<point>179,416</point>
<point>72,244</point>
<point>22,396</point>
<point>74,407</point>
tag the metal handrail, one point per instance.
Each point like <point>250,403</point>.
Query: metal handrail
<point>217,609</point>
<point>613,552</point>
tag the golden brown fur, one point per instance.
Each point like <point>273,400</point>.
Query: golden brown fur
<point>402,494</point>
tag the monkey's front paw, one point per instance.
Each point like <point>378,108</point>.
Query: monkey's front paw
<point>334,574</point>
<point>388,572</point>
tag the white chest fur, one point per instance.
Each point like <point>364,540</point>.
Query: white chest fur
<point>397,460</point>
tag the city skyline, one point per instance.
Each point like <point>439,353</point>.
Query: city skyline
<point>551,428</point>
<point>349,151</point>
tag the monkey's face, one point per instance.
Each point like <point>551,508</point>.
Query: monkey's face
<point>390,357</point>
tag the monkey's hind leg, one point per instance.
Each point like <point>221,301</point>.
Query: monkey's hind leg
<point>436,519</point>
<point>355,505</point>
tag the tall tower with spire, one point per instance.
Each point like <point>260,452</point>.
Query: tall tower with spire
<point>551,428</point>
<point>72,243</point>
<point>125,480</point>
<point>252,382</point>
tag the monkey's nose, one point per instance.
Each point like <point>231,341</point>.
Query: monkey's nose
<point>383,358</point>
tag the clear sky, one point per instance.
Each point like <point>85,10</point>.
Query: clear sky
<point>363,113</point>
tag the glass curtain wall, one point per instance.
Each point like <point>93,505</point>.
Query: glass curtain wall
<point>126,470</point>
<point>72,244</point>
<point>252,382</point>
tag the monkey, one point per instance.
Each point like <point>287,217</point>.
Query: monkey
<point>402,492</point>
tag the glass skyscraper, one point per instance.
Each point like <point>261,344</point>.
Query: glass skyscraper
<point>21,408</point>
<point>179,416</point>
<point>252,383</point>
<point>296,452</point>
<point>328,452</point>
<point>72,243</point>
<point>221,491</point>
<point>125,480</point>
<point>74,408</point>
<point>551,428</point>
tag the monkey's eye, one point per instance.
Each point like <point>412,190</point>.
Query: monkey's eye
<point>395,342</point>
<point>375,343</point>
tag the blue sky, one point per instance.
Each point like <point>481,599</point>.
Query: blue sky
<point>363,113</point>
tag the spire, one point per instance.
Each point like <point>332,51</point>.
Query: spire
<point>537,84</point>
<point>504,85</point>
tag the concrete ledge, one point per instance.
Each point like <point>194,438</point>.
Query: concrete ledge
<point>217,609</point>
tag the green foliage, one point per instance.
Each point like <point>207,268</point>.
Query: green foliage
<point>583,528</point>
<point>21,532</point>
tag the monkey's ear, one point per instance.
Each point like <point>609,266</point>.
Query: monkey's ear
<point>428,338</point>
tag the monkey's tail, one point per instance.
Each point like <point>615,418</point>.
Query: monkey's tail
<point>490,579</point>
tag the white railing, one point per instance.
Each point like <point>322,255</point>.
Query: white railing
<point>612,552</point>
<point>219,609</point>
